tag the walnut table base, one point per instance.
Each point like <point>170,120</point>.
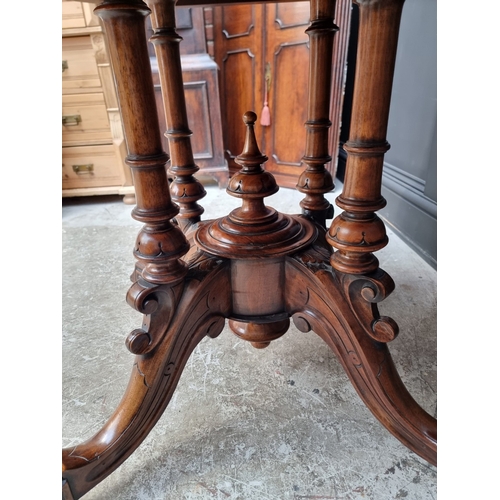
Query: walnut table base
<point>256,267</point>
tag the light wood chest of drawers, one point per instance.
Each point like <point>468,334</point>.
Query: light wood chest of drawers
<point>93,145</point>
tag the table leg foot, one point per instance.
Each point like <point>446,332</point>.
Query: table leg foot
<point>342,310</point>
<point>200,309</point>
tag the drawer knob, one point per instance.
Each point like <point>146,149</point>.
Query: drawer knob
<point>64,65</point>
<point>84,169</point>
<point>71,120</point>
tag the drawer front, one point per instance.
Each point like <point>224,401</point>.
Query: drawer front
<point>80,72</point>
<point>72,15</point>
<point>85,120</point>
<point>91,166</point>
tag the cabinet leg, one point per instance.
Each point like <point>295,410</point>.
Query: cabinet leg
<point>129,199</point>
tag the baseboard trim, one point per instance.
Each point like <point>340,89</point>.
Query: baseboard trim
<point>408,187</point>
<point>429,259</point>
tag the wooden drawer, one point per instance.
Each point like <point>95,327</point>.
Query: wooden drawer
<point>72,15</point>
<point>80,71</point>
<point>85,120</point>
<point>77,15</point>
<point>91,166</point>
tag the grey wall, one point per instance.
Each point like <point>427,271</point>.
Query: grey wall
<point>410,168</point>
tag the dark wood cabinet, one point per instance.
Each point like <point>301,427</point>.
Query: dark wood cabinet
<point>248,39</point>
<point>237,51</point>
<point>258,46</point>
<point>201,91</point>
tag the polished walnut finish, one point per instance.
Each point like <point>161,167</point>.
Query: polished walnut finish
<point>186,190</point>
<point>193,275</point>
<point>201,92</point>
<point>358,231</point>
<point>315,181</point>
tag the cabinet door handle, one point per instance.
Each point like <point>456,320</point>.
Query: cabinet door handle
<point>71,120</point>
<point>84,169</point>
<point>64,65</point>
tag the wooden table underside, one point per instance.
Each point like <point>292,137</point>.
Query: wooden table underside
<point>255,267</point>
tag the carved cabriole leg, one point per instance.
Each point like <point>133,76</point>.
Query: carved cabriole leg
<point>186,190</point>
<point>358,232</point>
<point>160,244</point>
<point>179,308</point>
<point>182,316</point>
<point>315,181</point>
<point>342,310</point>
<point>340,306</point>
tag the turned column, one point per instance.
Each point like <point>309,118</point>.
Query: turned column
<point>315,181</point>
<point>186,190</point>
<point>160,244</point>
<point>358,231</point>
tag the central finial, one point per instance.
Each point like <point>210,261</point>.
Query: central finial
<point>252,181</point>
<point>251,155</point>
<point>253,231</point>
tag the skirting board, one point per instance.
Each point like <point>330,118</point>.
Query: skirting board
<point>409,213</point>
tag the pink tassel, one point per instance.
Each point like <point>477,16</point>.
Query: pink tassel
<point>265,116</point>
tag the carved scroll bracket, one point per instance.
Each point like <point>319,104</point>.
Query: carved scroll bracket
<point>363,293</point>
<point>158,303</point>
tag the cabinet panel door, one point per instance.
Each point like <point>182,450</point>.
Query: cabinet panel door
<point>247,40</point>
<point>287,57</point>
<point>238,46</point>
<point>251,42</point>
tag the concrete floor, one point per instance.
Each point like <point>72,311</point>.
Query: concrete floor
<point>279,423</point>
